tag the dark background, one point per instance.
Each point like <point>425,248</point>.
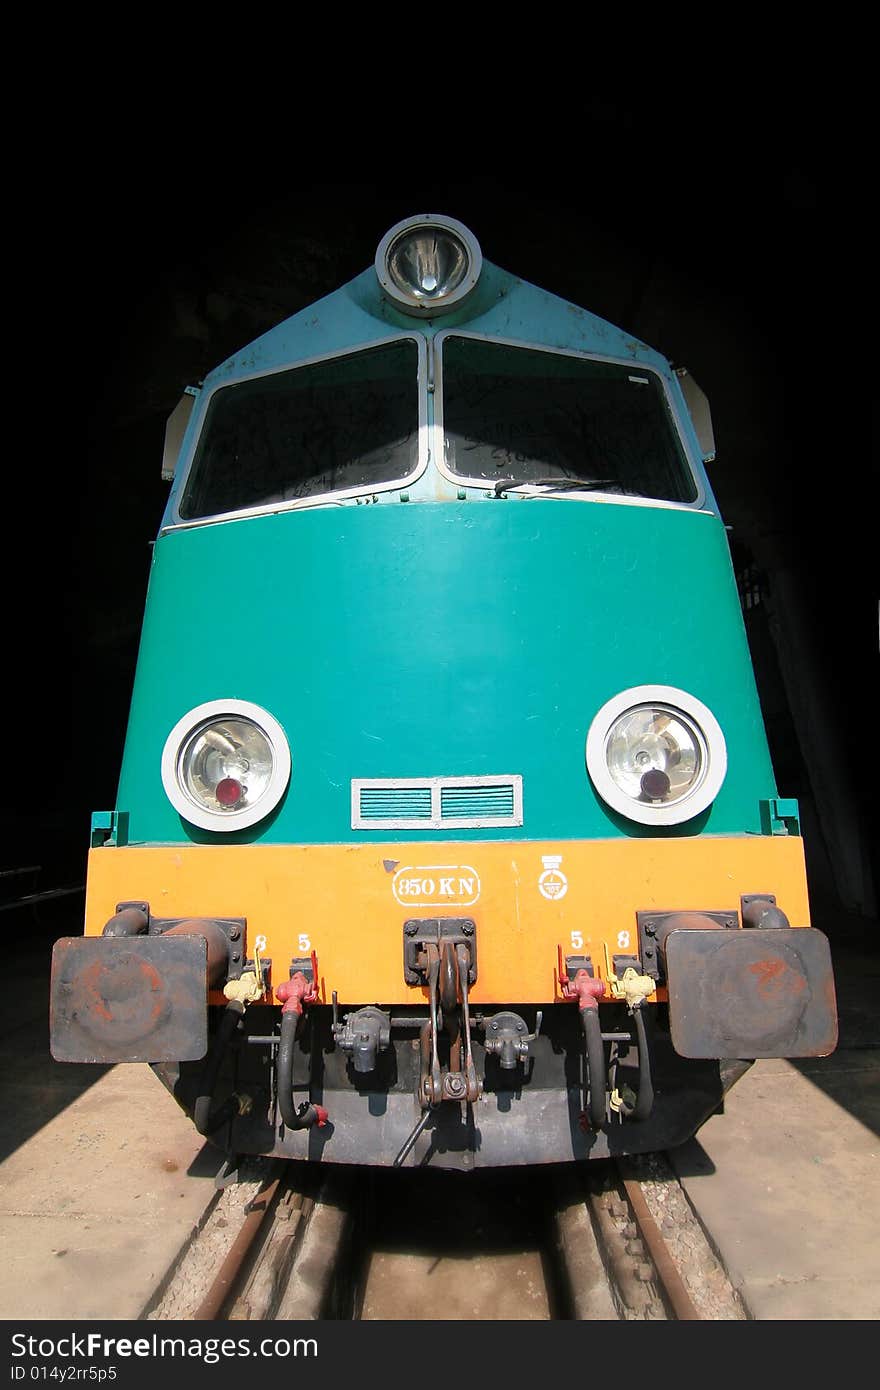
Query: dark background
<point>716,240</point>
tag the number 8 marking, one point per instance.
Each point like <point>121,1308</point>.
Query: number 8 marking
<point>623,940</point>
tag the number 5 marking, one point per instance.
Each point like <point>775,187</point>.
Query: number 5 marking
<point>577,940</point>
<point>305,944</point>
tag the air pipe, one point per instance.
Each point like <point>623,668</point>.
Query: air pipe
<point>293,994</point>
<point>588,992</point>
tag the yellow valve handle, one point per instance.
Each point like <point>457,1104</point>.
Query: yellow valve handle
<point>632,986</point>
<point>246,989</point>
<point>636,987</point>
<point>624,1100</point>
<point>249,987</point>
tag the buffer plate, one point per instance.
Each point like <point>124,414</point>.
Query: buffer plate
<point>131,999</point>
<point>751,993</point>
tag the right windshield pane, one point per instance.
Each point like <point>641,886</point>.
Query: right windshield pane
<point>523,415</point>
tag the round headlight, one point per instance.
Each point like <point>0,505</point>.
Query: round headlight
<point>656,754</point>
<point>428,264</point>
<point>225,765</point>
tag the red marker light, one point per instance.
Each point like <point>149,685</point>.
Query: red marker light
<point>655,784</point>
<point>228,792</point>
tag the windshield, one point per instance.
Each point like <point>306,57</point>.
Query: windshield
<point>523,415</point>
<point>344,423</point>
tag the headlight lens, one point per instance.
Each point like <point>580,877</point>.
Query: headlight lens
<point>656,754</point>
<point>226,765</point>
<point>428,264</point>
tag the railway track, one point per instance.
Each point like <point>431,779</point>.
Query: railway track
<point>618,1241</point>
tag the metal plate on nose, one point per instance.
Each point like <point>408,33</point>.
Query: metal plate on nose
<point>132,999</point>
<point>751,993</point>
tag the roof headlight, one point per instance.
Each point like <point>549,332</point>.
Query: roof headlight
<point>428,265</point>
<point>225,765</point>
<point>656,754</point>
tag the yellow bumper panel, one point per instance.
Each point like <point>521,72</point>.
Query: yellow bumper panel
<point>349,902</point>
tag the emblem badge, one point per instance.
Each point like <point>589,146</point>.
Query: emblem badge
<point>553,883</point>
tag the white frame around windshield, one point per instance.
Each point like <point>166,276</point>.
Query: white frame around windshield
<point>316,499</point>
<point>574,495</point>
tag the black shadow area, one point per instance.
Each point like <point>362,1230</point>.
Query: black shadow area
<point>851,1075</point>
<point>35,1088</point>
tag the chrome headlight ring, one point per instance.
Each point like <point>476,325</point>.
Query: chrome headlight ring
<point>656,754</point>
<point>226,765</point>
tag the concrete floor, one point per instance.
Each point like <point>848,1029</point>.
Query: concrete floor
<point>102,1178</point>
<point>787,1180</point>
<point>793,1206</point>
<point>96,1205</point>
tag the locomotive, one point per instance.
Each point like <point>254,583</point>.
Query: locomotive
<point>447,832</point>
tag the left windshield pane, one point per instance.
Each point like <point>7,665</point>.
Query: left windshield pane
<point>345,423</point>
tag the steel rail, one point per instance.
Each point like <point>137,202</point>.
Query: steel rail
<point>590,1299</point>
<point>680,1300</point>
<point>225,1279</point>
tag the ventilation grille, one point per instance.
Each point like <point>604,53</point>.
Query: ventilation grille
<point>430,803</point>
<point>477,802</point>
<point>395,803</point>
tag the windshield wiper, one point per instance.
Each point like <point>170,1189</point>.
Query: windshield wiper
<point>560,484</point>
